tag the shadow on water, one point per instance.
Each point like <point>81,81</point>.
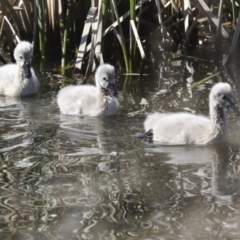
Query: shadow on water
<point>69,177</point>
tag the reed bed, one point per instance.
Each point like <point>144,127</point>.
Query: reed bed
<point>83,33</point>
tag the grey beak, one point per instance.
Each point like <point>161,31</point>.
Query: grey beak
<point>115,93</point>
<point>27,70</point>
<point>234,108</point>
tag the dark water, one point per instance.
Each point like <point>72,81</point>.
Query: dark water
<point>66,177</point>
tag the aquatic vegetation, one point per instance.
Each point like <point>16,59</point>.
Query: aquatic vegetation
<point>83,31</point>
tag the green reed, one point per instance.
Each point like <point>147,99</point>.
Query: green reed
<point>65,24</point>
<point>65,36</point>
<point>42,27</point>
<point>132,17</point>
<point>122,43</point>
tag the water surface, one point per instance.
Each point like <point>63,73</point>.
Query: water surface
<point>69,177</point>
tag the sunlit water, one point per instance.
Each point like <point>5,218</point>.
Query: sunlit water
<point>66,177</point>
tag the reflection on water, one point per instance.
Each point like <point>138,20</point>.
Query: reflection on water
<point>69,177</point>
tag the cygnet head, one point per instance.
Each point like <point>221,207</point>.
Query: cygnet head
<point>221,96</point>
<point>105,79</point>
<point>23,54</point>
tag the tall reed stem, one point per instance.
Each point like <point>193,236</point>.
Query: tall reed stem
<point>65,36</point>
<point>42,27</point>
<point>138,25</point>
<point>123,45</point>
<point>132,17</point>
<point>104,16</point>
<point>234,11</point>
<point>42,31</point>
<point>35,24</point>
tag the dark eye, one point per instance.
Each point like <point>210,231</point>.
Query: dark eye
<point>224,97</point>
<point>20,57</point>
<point>104,78</point>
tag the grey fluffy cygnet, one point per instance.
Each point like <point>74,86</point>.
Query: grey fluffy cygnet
<point>99,100</point>
<point>185,128</point>
<point>19,79</point>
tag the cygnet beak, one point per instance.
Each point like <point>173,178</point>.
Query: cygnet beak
<point>27,70</point>
<point>105,91</point>
<point>115,93</point>
<point>233,108</point>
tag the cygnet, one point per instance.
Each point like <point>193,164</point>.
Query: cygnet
<point>185,128</point>
<point>19,79</point>
<point>99,100</point>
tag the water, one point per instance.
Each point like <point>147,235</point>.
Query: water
<point>68,177</point>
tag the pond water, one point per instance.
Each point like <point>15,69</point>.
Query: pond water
<point>68,177</point>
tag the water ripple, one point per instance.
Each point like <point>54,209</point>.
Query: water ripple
<point>66,177</point>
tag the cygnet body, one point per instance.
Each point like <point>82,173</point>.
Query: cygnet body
<point>99,100</point>
<point>185,128</point>
<point>19,79</point>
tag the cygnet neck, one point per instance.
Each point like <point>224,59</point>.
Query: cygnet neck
<point>101,96</point>
<point>103,93</point>
<point>20,72</point>
<point>217,116</point>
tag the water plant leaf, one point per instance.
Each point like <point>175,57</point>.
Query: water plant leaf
<point>7,27</point>
<point>137,39</point>
<point>65,36</point>
<point>187,12</point>
<point>122,43</point>
<point>98,34</point>
<point>203,6</point>
<point>9,11</point>
<point>160,19</point>
<point>82,47</point>
<point>5,20</point>
<point>115,23</point>
<point>27,14</point>
<point>204,80</point>
<point>95,24</point>
<point>234,41</point>
<point>50,7</point>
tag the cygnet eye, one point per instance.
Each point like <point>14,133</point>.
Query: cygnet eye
<point>224,97</point>
<point>104,78</point>
<point>20,57</point>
